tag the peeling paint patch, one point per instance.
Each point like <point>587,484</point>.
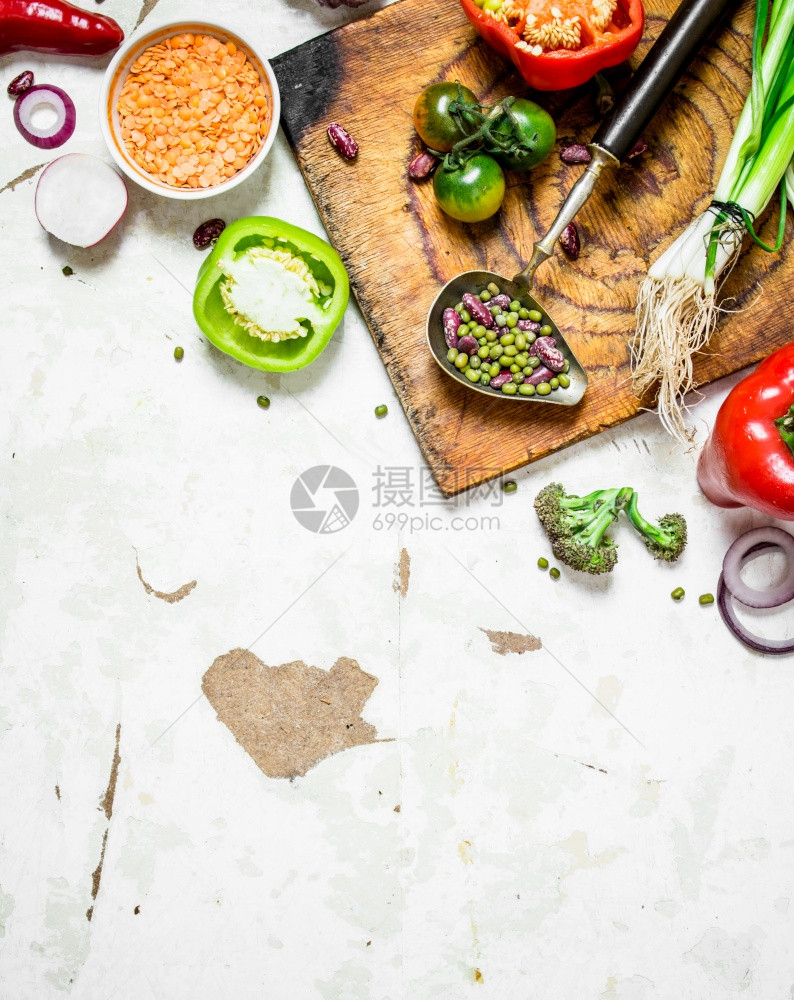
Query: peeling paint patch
<point>58,792</point>
<point>730,961</point>
<point>21,178</point>
<point>466,852</point>
<point>106,802</point>
<point>170,598</point>
<point>512,642</point>
<point>478,976</point>
<point>6,909</point>
<point>402,573</point>
<point>146,9</point>
<point>65,947</point>
<point>290,717</point>
<point>96,876</point>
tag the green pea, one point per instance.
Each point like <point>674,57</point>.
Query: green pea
<point>518,378</point>
<point>485,295</point>
<point>263,401</point>
<point>526,389</point>
<point>534,362</point>
<point>480,331</point>
<point>531,337</point>
<point>495,311</point>
<point>511,350</point>
<point>461,361</point>
<point>465,316</point>
<point>706,599</point>
<point>492,288</point>
<point>459,308</point>
<point>535,316</point>
<point>505,361</point>
<point>511,319</point>
<point>473,324</point>
<point>67,271</point>
<point>563,380</point>
<point>678,593</point>
<point>523,313</point>
<point>485,379</point>
<point>474,362</point>
<point>510,486</point>
<point>472,375</point>
<point>496,351</point>
<point>554,383</point>
<point>482,342</point>
<point>483,351</point>
<point>543,563</point>
<point>509,389</point>
<point>515,369</point>
<point>491,336</point>
<point>500,319</point>
<point>545,330</point>
<point>526,370</point>
<point>521,341</point>
<point>515,305</point>
<point>543,389</point>
<point>507,338</point>
<point>522,358</point>
<point>566,366</point>
<point>382,410</point>
<point>495,369</point>
<point>554,573</point>
<point>179,353</point>
<point>452,353</point>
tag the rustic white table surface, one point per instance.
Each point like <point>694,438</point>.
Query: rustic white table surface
<point>606,817</point>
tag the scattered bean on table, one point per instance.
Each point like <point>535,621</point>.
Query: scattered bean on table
<point>498,344</point>
<point>179,353</point>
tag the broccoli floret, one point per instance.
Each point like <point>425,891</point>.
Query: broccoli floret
<point>577,526</point>
<point>666,540</point>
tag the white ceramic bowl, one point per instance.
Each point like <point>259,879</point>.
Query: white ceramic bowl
<point>116,74</point>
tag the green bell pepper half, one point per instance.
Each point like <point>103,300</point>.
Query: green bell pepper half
<point>218,324</point>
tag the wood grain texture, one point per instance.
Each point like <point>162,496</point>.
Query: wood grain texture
<point>399,247</point>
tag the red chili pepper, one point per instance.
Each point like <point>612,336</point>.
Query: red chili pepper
<point>749,459</point>
<point>56,26</point>
<point>560,69</point>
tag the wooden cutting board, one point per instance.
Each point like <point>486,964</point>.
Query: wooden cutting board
<point>399,247</point>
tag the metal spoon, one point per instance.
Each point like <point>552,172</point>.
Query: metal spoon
<point>685,32</point>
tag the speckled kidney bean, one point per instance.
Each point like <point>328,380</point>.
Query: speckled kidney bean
<point>342,140</point>
<point>501,300</point>
<point>577,153</point>
<point>528,326</point>
<point>540,374</point>
<point>545,348</point>
<point>501,379</point>
<point>207,232</point>
<point>20,84</point>
<point>452,323</point>
<point>468,345</point>
<point>569,240</point>
<point>422,166</point>
<point>477,310</point>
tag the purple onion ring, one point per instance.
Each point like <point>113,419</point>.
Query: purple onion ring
<point>747,546</point>
<point>65,116</point>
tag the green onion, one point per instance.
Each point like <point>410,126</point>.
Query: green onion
<point>677,307</point>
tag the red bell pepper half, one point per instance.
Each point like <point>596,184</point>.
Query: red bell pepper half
<point>749,459</point>
<point>56,26</point>
<point>560,69</point>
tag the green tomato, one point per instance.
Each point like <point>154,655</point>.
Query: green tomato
<point>532,121</point>
<point>432,120</point>
<point>473,192</point>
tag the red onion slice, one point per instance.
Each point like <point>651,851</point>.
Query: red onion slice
<point>774,647</point>
<point>39,96</point>
<point>740,552</point>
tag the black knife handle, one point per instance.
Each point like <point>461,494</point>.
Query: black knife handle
<point>658,73</point>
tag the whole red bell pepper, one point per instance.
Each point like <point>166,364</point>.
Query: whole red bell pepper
<point>748,461</point>
<point>56,26</point>
<point>560,69</point>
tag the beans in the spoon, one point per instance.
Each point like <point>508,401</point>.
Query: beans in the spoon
<point>500,345</point>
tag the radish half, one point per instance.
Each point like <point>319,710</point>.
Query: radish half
<point>80,199</point>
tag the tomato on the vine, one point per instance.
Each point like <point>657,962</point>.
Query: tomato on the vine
<point>471,192</point>
<point>432,120</point>
<point>531,121</point>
